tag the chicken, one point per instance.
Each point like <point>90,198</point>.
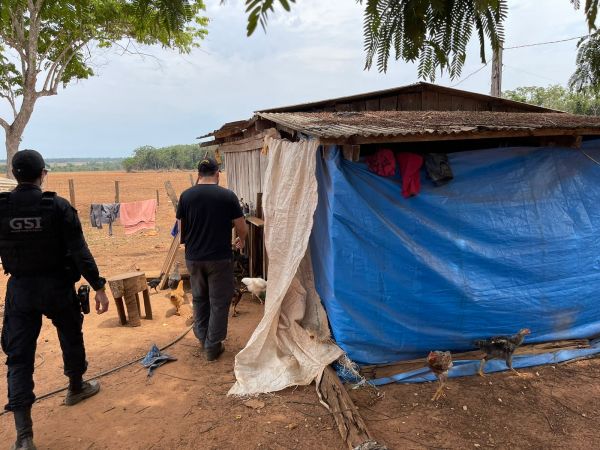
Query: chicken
<point>153,283</point>
<point>174,277</point>
<point>257,286</point>
<point>501,347</point>
<point>177,297</point>
<point>439,363</point>
<point>237,296</point>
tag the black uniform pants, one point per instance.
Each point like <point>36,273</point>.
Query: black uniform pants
<point>212,290</point>
<point>27,299</point>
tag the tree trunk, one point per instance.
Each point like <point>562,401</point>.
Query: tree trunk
<point>12,147</point>
<point>15,131</point>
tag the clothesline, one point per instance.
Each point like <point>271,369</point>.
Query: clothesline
<point>134,216</point>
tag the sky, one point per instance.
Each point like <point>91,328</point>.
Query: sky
<point>315,52</point>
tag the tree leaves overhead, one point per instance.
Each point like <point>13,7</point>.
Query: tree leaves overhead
<point>590,9</point>
<point>258,11</point>
<point>587,72</point>
<point>434,33</point>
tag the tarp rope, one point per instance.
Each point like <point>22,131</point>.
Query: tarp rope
<point>108,372</point>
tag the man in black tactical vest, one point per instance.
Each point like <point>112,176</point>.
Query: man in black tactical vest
<point>43,249</point>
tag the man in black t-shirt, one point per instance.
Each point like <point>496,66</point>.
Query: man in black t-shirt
<point>206,213</point>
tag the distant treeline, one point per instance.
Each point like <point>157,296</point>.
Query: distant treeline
<point>182,157</point>
<point>79,165</point>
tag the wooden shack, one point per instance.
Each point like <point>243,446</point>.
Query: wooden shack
<point>421,116</point>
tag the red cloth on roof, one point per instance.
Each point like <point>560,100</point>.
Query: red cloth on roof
<point>382,163</point>
<point>136,216</point>
<point>410,166</point>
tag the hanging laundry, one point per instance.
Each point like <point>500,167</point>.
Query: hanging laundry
<point>382,163</point>
<point>410,166</point>
<point>438,168</point>
<point>96,215</point>
<point>136,216</point>
<point>104,213</point>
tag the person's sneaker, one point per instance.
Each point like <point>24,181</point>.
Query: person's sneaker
<point>89,388</point>
<point>25,444</point>
<point>213,353</point>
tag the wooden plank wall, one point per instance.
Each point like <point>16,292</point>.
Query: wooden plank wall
<point>422,100</point>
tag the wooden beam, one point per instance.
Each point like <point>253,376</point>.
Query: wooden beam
<point>561,141</point>
<point>248,144</point>
<point>351,425</point>
<point>169,260</point>
<point>351,152</point>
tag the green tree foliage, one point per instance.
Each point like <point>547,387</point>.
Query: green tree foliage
<point>46,44</point>
<point>557,97</point>
<point>435,33</point>
<point>175,157</point>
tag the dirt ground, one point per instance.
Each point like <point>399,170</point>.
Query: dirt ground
<point>184,405</point>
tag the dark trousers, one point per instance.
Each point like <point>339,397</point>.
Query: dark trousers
<point>212,289</point>
<point>27,299</point>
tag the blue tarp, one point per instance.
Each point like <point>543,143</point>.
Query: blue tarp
<point>512,242</point>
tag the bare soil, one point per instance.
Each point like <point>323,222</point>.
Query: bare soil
<point>184,405</point>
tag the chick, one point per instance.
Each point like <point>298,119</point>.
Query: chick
<point>440,363</point>
<point>501,347</point>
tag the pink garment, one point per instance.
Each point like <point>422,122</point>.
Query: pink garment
<point>382,163</point>
<point>136,216</point>
<point>410,166</point>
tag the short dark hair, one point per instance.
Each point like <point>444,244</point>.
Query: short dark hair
<point>208,167</point>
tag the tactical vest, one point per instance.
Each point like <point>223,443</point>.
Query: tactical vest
<point>30,237</point>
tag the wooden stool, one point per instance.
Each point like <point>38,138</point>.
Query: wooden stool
<point>128,286</point>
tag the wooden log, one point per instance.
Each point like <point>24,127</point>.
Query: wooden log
<point>117,192</point>
<point>157,198</point>
<point>351,425</point>
<point>72,192</point>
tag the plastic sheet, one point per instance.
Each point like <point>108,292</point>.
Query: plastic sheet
<point>512,242</point>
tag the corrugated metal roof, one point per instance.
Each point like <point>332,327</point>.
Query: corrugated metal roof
<point>420,123</point>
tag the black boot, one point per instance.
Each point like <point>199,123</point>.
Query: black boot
<point>85,390</point>
<point>24,426</point>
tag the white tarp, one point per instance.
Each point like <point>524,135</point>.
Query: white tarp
<point>291,345</point>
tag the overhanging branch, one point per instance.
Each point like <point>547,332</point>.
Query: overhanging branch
<point>4,124</point>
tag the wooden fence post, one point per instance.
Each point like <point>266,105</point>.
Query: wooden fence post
<point>192,180</point>
<point>72,192</point>
<point>157,198</point>
<point>117,192</point>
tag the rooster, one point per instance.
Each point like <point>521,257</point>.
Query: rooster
<point>501,347</point>
<point>177,297</point>
<point>153,283</point>
<point>439,363</point>
<point>257,286</point>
